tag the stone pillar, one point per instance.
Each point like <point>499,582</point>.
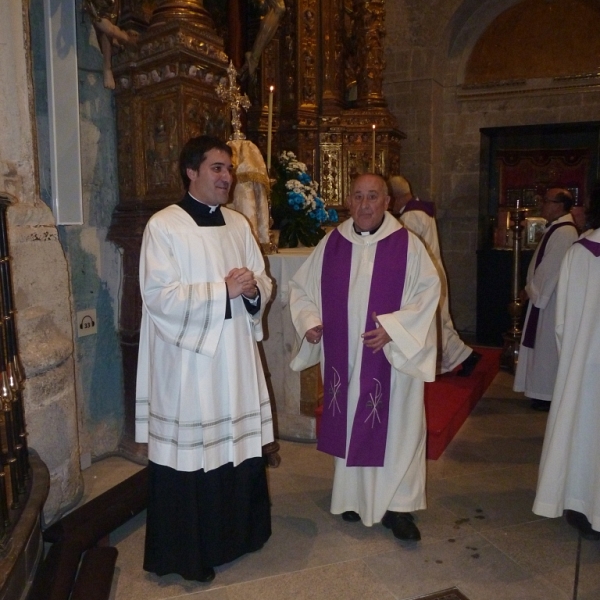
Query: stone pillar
<point>40,275</point>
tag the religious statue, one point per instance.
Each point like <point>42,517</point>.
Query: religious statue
<point>104,15</point>
<point>275,9</point>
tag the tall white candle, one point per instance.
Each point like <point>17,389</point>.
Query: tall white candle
<point>270,128</point>
<point>373,158</point>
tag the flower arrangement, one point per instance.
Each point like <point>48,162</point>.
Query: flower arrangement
<point>298,211</point>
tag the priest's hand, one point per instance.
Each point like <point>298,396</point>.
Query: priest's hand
<point>377,338</point>
<point>314,335</point>
<point>241,281</point>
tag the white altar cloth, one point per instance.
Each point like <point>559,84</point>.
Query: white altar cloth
<point>284,384</point>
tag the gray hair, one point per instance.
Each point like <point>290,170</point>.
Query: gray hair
<point>399,186</point>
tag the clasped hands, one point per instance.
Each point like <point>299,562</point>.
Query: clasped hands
<point>375,339</point>
<point>241,282</point>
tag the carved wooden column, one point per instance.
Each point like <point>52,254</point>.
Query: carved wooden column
<point>165,94</point>
<point>369,31</point>
<point>332,56</point>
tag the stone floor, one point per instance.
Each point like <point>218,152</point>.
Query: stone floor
<point>479,533</point>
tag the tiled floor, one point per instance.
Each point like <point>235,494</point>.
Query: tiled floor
<point>479,533</point>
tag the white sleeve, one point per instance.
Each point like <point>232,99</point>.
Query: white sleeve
<point>189,316</point>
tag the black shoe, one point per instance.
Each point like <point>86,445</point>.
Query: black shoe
<point>469,364</point>
<point>580,522</point>
<point>207,574</point>
<point>351,516</point>
<point>402,525</point>
<point>540,405</point>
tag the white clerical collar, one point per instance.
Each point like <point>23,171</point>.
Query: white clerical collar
<point>371,232</point>
<point>209,206</point>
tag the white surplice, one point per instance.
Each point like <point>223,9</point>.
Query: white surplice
<point>453,350</point>
<point>400,484</point>
<point>201,397</point>
<point>569,475</point>
<point>536,368</point>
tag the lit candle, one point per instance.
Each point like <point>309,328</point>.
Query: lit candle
<point>373,159</point>
<point>270,128</point>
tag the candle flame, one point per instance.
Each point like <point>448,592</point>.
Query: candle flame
<point>271,88</point>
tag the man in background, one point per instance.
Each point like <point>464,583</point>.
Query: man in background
<point>569,478</point>
<point>538,354</point>
<point>363,305</point>
<point>202,404</point>
<point>418,217</point>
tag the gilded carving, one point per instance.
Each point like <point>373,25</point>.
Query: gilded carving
<point>289,54</point>
<point>331,174</point>
<point>161,145</point>
<point>179,39</point>
<point>315,116</point>
<point>202,117</point>
<point>308,76</point>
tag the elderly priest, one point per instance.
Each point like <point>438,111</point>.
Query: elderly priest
<point>363,305</point>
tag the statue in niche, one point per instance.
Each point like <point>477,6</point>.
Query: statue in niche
<point>104,15</point>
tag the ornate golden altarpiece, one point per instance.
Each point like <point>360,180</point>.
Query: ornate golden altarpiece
<point>326,63</point>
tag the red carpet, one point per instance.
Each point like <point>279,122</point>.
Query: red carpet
<point>450,399</point>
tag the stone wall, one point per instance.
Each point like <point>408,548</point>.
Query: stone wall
<point>93,263</point>
<point>428,43</point>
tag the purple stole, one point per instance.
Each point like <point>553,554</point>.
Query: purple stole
<point>593,247</point>
<point>422,205</point>
<point>369,428</point>
<point>534,313</point>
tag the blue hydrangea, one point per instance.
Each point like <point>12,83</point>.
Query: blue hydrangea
<point>302,191</point>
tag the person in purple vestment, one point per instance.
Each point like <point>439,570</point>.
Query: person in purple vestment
<point>538,355</point>
<point>569,477</point>
<point>363,305</point>
<point>418,216</point>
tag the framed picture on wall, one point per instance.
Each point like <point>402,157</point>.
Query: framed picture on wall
<point>534,229</point>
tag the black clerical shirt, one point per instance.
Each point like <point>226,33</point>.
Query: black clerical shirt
<point>211,216</point>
